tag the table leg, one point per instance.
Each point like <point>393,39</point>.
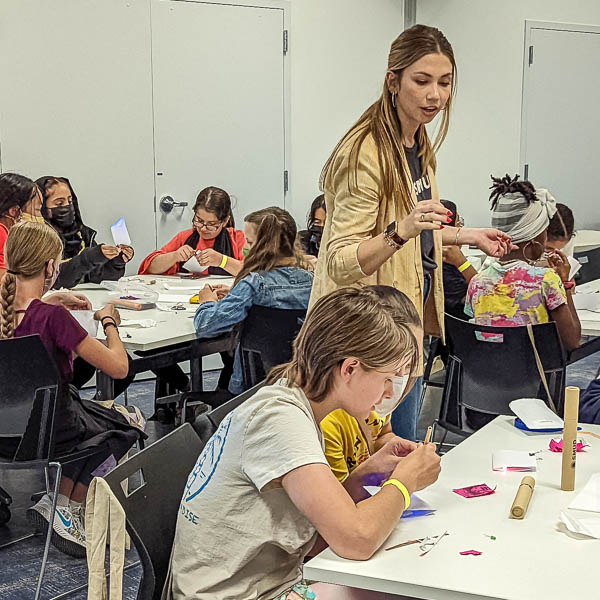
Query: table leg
<point>105,388</point>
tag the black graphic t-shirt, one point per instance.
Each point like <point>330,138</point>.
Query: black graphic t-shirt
<point>422,187</point>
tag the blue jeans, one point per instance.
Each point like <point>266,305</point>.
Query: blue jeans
<point>404,418</point>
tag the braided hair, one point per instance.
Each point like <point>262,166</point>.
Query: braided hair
<point>507,185</point>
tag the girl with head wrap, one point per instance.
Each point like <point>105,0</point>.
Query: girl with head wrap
<point>515,290</point>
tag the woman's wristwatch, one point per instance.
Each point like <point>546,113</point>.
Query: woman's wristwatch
<point>391,237</point>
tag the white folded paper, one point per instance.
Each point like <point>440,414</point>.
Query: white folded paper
<point>416,503</point>
<point>589,497</point>
<point>589,527</point>
<point>575,266</point>
<point>193,266</point>
<point>119,233</point>
<point>513,460</point>
<point>86,319</point>
<point>535,414</point>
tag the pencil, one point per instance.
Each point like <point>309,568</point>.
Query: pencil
<point>428,435</point>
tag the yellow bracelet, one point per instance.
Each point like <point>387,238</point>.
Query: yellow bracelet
<point>402,488</point>
<point>223,261</point>
<point>464,266</point>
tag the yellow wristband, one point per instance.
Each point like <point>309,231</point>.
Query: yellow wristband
<point>223,261</point>
<point>402,488</point>
<point>464,266</point>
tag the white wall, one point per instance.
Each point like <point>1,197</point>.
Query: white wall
<point>488,41</point>
<point>338,56</point>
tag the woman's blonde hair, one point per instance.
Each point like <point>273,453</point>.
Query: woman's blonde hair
<point>29,247</point>
<point>275,241</point>
<point>348,323</point>
<point>381,119</point>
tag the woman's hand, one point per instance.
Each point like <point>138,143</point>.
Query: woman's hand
<point>184,253</point>
<point>109,252</point>
<point>221,290</point>
<point>453,255</point>
<point>428,214</point>
<point>207,294</point>
<point>492,241</point>
<point>419,469</point>
<point>69,300</point>
<point>108,311</point>
<point>210,258</point>
<point>126,253</point>
<point>560,263</point>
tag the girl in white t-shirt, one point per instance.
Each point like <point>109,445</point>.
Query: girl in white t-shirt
<point>261,495</point>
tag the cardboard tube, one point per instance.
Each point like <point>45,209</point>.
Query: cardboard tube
<point>569,453</point>
<point>521,501</point>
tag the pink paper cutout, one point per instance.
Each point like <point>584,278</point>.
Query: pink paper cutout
<point>557,446</point>
<point>470,552</point>
<point>473,491</point>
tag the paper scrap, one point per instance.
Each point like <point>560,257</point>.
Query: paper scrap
<point>193,266</point>
<point>470,553</point>
<point>557,445</point>
<point>589,497</point>
<point>473,491</point>
<point>575,266</point>
<point>119,233</point>
<point>536,414</point>
<point>589,527</point>
<point>513,460</point>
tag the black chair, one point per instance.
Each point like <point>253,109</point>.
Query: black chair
<point>590,265</point>
<point>266,339</point>
<point>151,509</point>
<point>488,367</point>
<point>28,394</point>
<point>206,424</point>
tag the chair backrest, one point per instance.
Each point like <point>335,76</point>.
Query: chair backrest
<point>206,424</point>
<point>30,385</point>
<point>266,339</point>
<point>590,265</point>
<point>151,509</point>
<point>491,366</point>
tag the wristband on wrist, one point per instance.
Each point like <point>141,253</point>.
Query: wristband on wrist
<point>223,261</point>
<point>112,320</point>
<point>464,266</point>
<point>569,285</point>
<point>111,324</point>
<point>402,488</point>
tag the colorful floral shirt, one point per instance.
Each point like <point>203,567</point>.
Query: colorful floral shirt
<point>514,294</point>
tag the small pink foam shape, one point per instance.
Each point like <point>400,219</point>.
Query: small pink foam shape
<point>556,446</point>
<point>470,552</point>
<point>474,491</point>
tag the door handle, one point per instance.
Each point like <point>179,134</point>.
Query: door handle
<point>167,204</point>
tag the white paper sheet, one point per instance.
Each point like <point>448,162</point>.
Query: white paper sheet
<point>589,497</point>
<point>144,323</point>
<point>536,414</point>
<point>575,266</point>
<point>86,319</point>
<point>587,302</point>
<point>416,503</point>
<point>589,527</point>
<point>119,233</point>
<point>513,460</point>
<point>193,266</point>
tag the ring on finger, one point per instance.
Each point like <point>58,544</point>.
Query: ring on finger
<point>422,217</point>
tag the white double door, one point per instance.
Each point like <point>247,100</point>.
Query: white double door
<point>135,100</point>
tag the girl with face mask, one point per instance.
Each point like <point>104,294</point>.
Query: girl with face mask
<point>83,260</point>
<point>33,254</point>
<point>16,193</point>
<point>310,238</point>
<point>350,442</point>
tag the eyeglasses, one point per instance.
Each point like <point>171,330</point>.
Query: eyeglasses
<point>210,226</point>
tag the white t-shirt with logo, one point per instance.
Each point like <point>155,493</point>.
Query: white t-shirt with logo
<point>238,535</point>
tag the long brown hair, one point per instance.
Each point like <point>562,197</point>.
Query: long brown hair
<point>217,201</point>
<point>349,322</point>
<point>381,119</point>
<point>275,242</point>
<point>29,247</point>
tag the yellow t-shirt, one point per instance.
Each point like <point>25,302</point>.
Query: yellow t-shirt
<point>345,444</point>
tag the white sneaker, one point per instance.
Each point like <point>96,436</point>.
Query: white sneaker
<point>39,514</point>
<point>67,536</point>
<point>78,514</point>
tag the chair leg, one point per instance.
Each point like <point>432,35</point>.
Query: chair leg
<point>58,468</point>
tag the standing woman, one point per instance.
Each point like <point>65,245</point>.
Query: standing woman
<point>385,224</point>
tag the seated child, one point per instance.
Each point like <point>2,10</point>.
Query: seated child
<point>310,238</point>
<point>561,230</point>
<point>83,259</point>
<point>514,291</point>
<point>213,239</point>
<point>262,494</point>
<point>273,275</point>
<point>33,255</point>
<point>349,442</point>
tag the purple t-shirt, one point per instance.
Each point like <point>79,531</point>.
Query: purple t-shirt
<point>59,331</point>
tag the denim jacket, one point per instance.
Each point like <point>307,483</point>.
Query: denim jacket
<point>283,287</point>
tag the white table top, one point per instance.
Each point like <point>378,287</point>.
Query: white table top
<point>530,559</point>
<point>173,326</point>
<point>590,321</point>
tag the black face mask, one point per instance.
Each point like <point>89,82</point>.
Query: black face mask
<point>62,216</point>
<point>316,233</point>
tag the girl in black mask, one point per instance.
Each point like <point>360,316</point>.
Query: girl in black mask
<point>310,238</point>
<point>83,259</point>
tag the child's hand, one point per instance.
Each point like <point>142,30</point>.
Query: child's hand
<point>453,255</point>
<point>221,290</point>
<point>419,469</point>
<point>207,294</point>
<point>559,262</point>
